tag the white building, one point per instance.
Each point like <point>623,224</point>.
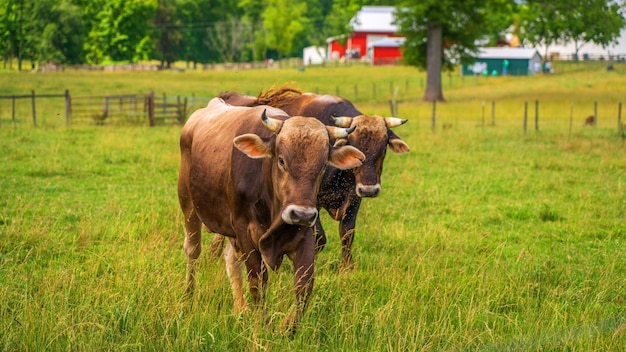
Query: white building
<point>313,55</point>
<point>566,51</point>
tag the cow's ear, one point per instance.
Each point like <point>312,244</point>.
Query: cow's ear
<point>398,146</point>
<point>253,146</point>
<point>346,157</point>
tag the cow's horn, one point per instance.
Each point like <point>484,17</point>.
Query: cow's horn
<point>273,125</point>
<point>394,121</point>
<point>337,132</point>
<point>342,121</point>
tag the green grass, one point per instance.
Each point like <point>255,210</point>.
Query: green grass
<point>483,238</point>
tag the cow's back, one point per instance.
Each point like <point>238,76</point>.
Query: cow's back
<point>322,107</point>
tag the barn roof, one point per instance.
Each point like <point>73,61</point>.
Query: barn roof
<point>389,42</point>
<point>374,19</point>
<point>507,53</point>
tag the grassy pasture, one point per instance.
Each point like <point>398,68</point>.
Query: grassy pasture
<point>483,238</point>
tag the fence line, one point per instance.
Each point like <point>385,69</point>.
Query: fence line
<point>100,109</point>
<point>153,109</point>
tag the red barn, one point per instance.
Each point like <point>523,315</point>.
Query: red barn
<point>374,38</point>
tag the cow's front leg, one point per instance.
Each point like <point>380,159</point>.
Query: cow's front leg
<point>257,276</point>
<point>347,225</point>
<point>304,277</point>
<point>234,259</point>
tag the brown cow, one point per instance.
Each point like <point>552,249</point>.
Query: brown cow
<point>261,193</point>
<point>341,190</point>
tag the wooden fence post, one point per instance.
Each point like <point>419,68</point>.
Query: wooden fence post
<point>620,126</point>
<point>525,116</point>
<point>105,108</point>
<point>150,99</point>
<point>164,103</point>
<point>493,113</point>
<point>34,109</point>
<point>13,108</point>
<point>571,118</point>
<point>536,115</point>
<point>595,113</point>
<point>483,114</point>
<point>68,107</point>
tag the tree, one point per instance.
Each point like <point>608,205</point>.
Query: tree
<point>230,37</point>
<point>11,19</point>
<point>542,23</point>
<point>120,30</point>
<point>582,22</point>
<point>337,22</point>
<point>440,33</point>
<point>283,21</point>
<point>60,38</point>
<point>168,36</point>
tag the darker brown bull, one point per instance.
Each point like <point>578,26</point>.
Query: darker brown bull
<point>255,180</point>
<point>341,190</point>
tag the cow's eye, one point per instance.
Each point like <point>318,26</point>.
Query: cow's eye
<point>281,161</point>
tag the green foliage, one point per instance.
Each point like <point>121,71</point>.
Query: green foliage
<point>120,26</point>
<point>61,39</point>
<point>168,35</point>
<point>337,21</point>
<point>589,21</point>
<point>283,21</point>
<point>442,33</point>
<point>463,23</point>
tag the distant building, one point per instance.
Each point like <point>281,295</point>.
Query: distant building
<point>313,55</point>
<point>504,61</point>
<point>372,28</point>
<point>589,51</point>
<point>385,51</point>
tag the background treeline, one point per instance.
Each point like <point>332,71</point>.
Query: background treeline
<point>195,31</point>
<point>212,31</point>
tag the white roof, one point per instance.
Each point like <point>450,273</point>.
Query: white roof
<point>374,19</point>
<point>389,42</point>
<point>507,53</point>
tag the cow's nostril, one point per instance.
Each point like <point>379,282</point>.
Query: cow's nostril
<point>303,217</point>
<point>297,215</point>
<point>368,191</point>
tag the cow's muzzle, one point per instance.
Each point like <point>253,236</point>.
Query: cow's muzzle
<point>299,215</point>
<point>368,190</point>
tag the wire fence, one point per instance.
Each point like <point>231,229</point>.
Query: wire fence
<point>149,109</point>
<point>525,117</point>
<point>138,109</point>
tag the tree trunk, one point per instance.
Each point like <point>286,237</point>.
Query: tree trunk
<point>433,64</point>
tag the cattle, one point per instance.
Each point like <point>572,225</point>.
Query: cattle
<point>590,120</point>
<point>341,190</point>
<point>253,174</point>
